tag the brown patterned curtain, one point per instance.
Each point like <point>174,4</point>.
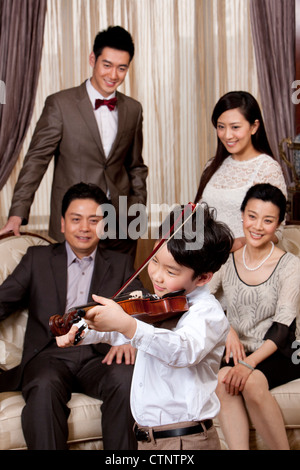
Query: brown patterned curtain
<point>273,31</point>
<point>21,42</point>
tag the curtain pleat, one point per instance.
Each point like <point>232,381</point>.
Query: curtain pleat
<point>187,54</point>
<point>273,28</point>
<point>21,33</point>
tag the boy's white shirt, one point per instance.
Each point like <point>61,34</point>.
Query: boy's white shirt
<point>175,372</point>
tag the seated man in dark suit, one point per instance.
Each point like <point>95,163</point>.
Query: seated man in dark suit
<point>49,280</point>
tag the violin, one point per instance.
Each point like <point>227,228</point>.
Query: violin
<point>149,309</point>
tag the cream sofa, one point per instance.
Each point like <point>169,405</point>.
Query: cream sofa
<point>85,417</point>
<point>288,395</point>
<point>85,431</point>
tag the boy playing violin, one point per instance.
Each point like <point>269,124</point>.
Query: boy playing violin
<point>173,398</point>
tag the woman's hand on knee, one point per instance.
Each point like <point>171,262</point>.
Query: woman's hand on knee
<point>236,378</point>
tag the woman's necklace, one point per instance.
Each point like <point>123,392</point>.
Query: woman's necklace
<point>260,264</point>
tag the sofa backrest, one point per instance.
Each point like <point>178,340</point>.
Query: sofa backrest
<point>291,239</point>
<point>12,249</point>
<point>12,329</point>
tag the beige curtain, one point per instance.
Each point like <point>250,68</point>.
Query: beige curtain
<point>188,53</point>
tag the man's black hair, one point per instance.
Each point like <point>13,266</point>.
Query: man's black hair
<point>114,37</point>
<point>83,191</point>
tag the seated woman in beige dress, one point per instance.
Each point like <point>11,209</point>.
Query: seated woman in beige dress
<point>261,286</point>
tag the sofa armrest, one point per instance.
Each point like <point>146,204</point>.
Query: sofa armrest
<point>290,239</point>
<point>12,329</point>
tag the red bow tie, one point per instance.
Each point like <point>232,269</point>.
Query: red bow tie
<point>111,104</point>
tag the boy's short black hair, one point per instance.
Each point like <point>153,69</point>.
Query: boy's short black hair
<point>114,37</point>
<point>210,247</point>
<point>83,191</point>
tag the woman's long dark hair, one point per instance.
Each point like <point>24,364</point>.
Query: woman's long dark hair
<point>250,109</point>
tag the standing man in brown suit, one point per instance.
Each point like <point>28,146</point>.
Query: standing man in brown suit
<point>91,141</point>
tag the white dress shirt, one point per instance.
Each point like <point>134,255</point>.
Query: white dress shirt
<point>107,120</point>
<point>175,373</point>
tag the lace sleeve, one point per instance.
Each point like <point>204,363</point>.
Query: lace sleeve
<point>271,173</point>
<point>209,162</point>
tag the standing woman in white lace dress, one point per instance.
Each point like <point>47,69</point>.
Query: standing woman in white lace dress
<point>261,287</point>
<point>243,158</point>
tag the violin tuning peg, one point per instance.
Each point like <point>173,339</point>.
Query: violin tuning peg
<point>81,312</point>
<point>78,336</point>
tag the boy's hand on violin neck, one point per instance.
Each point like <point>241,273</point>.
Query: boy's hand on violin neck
<point>109,316</point>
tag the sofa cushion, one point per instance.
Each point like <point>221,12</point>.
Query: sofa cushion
<point>84,420</point>
<point>288,398</point>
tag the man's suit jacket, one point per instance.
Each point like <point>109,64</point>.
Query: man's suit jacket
<point>68,130</point>
<point>39,283</point>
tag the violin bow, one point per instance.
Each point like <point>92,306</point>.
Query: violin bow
<point>165,238</point>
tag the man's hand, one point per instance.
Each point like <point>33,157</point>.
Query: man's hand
<point>12,225</point>
<point>65,341</point>
<point>125,351</point>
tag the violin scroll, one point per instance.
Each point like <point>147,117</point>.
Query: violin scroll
<point>61,324</point>
<point>150,309</point>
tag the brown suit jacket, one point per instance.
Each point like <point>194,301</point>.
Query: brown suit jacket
<point>68,130</point>
<point>39,283</point>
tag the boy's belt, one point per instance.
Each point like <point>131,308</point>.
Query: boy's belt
<point>143,435</point>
